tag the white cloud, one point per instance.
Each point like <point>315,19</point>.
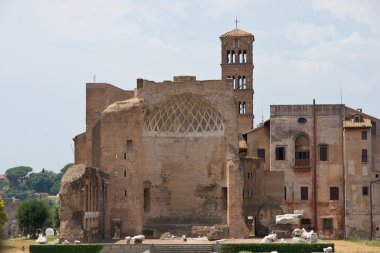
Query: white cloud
<point>362,11</point>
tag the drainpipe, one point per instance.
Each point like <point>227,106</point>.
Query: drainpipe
<point>344,174</point>
<point>315,200</point>
<point>370,205</point>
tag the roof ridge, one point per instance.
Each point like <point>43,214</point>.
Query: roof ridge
<point>236,33</point>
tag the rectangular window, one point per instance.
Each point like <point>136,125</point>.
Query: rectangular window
<point>373,129</point>
<point>280,153</point>
<point>304,193</point>
<point>334,193</point>
<point>365,190</point>
<point>323,152</point>
<point>261,153</point>
<point>364,156</point>
<point>364,135</point>
<point>328,224</point>
<point>129,144</point>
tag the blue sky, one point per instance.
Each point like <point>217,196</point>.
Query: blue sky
<point>49,49</point>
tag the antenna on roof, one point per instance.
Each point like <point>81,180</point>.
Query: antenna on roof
<point>262,114</point>
<point>236,22</point>
<point>341,96</point>
<point>94,77</point>
<point>72,149</point>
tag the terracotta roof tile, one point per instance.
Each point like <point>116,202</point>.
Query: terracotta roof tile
<point>351,123</point>
<point>236,33</point>
<point>242,144</point>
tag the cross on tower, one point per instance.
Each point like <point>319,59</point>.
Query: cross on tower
<point>236,22</point>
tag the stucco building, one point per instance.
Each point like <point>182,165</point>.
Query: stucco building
<point>330,157</point>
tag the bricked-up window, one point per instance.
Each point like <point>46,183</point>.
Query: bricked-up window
<point>304,193</point>
<point>261,153</point>
<point>327,223</point>
<point>364,156</point>
<point>334,193</point>
<point>365,190</point>
<point>280,153</point>
<point>364,135</point>
<point>129,144</point>
<point>146,199</point>
<point>323,152</point>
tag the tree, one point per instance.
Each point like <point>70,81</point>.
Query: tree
<point>54,216</point>
<point>3,217</point>
<point>57,184</point>
<point>41,182</point>
<point>17,174</point>
<point>32,214</point>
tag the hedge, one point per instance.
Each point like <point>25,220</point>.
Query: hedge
<point>65,248</point>
<point>280,247</point>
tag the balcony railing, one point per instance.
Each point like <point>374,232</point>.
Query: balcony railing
<point>302,164</point>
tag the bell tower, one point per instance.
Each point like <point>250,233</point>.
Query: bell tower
<point>237,64</point>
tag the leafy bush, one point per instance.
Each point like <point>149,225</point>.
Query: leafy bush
<point>80,248</point>
<point>280,247</point>
<point>32,214</point>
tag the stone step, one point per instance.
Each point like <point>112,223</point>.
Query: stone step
<point>180,248</point>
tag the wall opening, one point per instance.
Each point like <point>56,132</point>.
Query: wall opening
<point>304,193</point>
<point>327,224</point>
<point>364,156</point>
<point>146,199</point>
<point>334,193</point>
<point>280,153</point>
<point>224,198</point>
<point>129,145</point>
<point>323,152</point>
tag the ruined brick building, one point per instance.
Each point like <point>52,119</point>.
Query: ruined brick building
<point>171,155</point>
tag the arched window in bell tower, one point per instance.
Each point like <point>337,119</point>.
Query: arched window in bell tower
<point>240,55</point>
<point>244,83</point>
<point>234,82</point>
<point>233,56</point>
<point>244,57</point>
<point>228,58</point>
